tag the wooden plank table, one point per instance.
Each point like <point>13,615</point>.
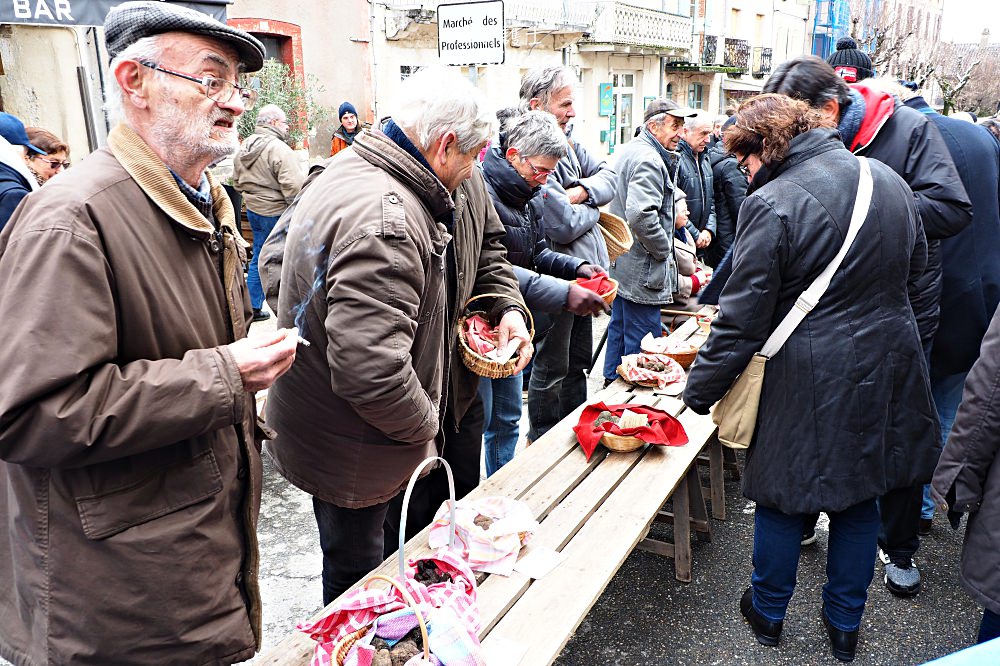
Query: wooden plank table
<point>594,512</point>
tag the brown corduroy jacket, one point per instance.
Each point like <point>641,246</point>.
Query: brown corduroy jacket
<point>129,476</point>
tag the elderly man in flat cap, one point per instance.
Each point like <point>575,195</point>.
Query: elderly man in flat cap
<point>130,473</point>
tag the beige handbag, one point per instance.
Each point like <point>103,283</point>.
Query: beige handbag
<point>736,413</point>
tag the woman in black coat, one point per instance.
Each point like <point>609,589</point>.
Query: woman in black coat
<point>846,411</point>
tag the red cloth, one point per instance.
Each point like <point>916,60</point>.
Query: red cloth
<point>601,284</point>
<point>662,429</point>
<point>480,335</point>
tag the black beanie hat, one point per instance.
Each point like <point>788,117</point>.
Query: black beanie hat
<point>851,63</point>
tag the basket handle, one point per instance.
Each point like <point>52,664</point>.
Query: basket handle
<point>408,598</point>
<point>531,320</point>
<point>406,506</point>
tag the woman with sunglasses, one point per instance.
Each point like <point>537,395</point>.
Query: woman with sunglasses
<point>845,412</point>
<point>54,161</point>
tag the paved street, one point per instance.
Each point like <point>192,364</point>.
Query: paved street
<point>646,617</point>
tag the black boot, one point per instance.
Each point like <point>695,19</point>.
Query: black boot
<point>844,643</point>
<point>767,632</point>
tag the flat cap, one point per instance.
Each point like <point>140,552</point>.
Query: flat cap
<point>129,22</point>
<point>668,106</point>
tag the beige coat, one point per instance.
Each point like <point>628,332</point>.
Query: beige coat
<point>130,478</point>
<point>365,265</point>
<point>267,172</point>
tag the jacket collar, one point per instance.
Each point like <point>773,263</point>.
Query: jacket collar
<point>802,147</point>
<point>270,131</point>
<point>877,108</point>
<point>506,182</point>
<point>918,103</point>
<point>378,149</point>
<point>153,176</point>
<point>11,157</point>
<point>668,156</point>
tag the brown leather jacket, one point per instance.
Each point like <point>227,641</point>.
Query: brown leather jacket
<point>130,486</point>
<point>363,406</point>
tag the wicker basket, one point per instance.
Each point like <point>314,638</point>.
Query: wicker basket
<point>685,359</point>
<point>476,362</point>
<point>339,654</point>
<point>617,235</point>
<point>621,443</point>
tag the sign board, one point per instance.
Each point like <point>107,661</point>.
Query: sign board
<point>84,12</point>
<point>471,33</point>
<point>606,100</point>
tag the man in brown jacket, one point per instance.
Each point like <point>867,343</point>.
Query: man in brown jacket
<point>130,476</point>
<point>268,174</point>
<point>379,260</point>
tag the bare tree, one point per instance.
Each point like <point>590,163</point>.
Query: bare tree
<point>957,64</point>
<point>982,91</point>
<point>887,31</point>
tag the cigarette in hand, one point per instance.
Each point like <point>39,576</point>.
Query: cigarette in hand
<point>303,341</point>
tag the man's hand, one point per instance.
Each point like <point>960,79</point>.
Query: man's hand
<point>588,271</point>
<point>577,194</point>
<point>704,239</point>
<point>263,359</point>
<point>584,302</point>
<point>512,327</point>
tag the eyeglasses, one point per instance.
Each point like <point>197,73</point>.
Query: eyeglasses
<point>55,164</point>
<point>536,171</point>
<point>744,169</point>
<point>217,90</point>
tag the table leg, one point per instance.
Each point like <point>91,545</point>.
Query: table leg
<point>730,462</point>
<point>682,531</point>
<point>696,500</point>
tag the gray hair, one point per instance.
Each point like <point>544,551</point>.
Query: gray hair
<point>435,101</point>
<point>536,133</point>
<point>542,82</point>
<point>269,113</point>
<point>697,120</point>
<point>147,48</point>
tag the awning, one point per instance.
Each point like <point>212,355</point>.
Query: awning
<point>739,84</point>
<point>84,12</point>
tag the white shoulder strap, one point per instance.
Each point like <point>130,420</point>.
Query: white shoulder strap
<point>810,297</point>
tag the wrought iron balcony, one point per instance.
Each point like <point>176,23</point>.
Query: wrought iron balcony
<point>708,51</point>
<point>737,54</point>
<point>761,62</point>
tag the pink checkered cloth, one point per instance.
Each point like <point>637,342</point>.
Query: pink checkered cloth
<point>359,607</point>
<point>632,373</point>
<point>494,550</point>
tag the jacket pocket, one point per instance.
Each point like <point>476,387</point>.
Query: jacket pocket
<point>156,493</point>
<point>656,274</point>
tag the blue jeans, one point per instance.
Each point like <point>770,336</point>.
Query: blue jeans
<point>630,322</point>
<point>558,383</point>
<point>351,541</point>
<point>261,227</point>
<point>850,562</point>
<point>501,421</point>
<point>947,392</point>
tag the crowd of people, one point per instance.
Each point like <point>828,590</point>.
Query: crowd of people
<point>130,446</point>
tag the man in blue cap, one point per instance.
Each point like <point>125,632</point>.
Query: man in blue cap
<point>15,179</point>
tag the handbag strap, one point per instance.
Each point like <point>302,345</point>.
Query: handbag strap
<point>810,297</point>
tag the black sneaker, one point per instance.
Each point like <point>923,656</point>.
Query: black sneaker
<point>261,315</point>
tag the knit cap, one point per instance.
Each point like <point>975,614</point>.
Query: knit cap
<point>346,107</point>
<point>850,62</point>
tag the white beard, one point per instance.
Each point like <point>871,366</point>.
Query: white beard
<point>190,137</point>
